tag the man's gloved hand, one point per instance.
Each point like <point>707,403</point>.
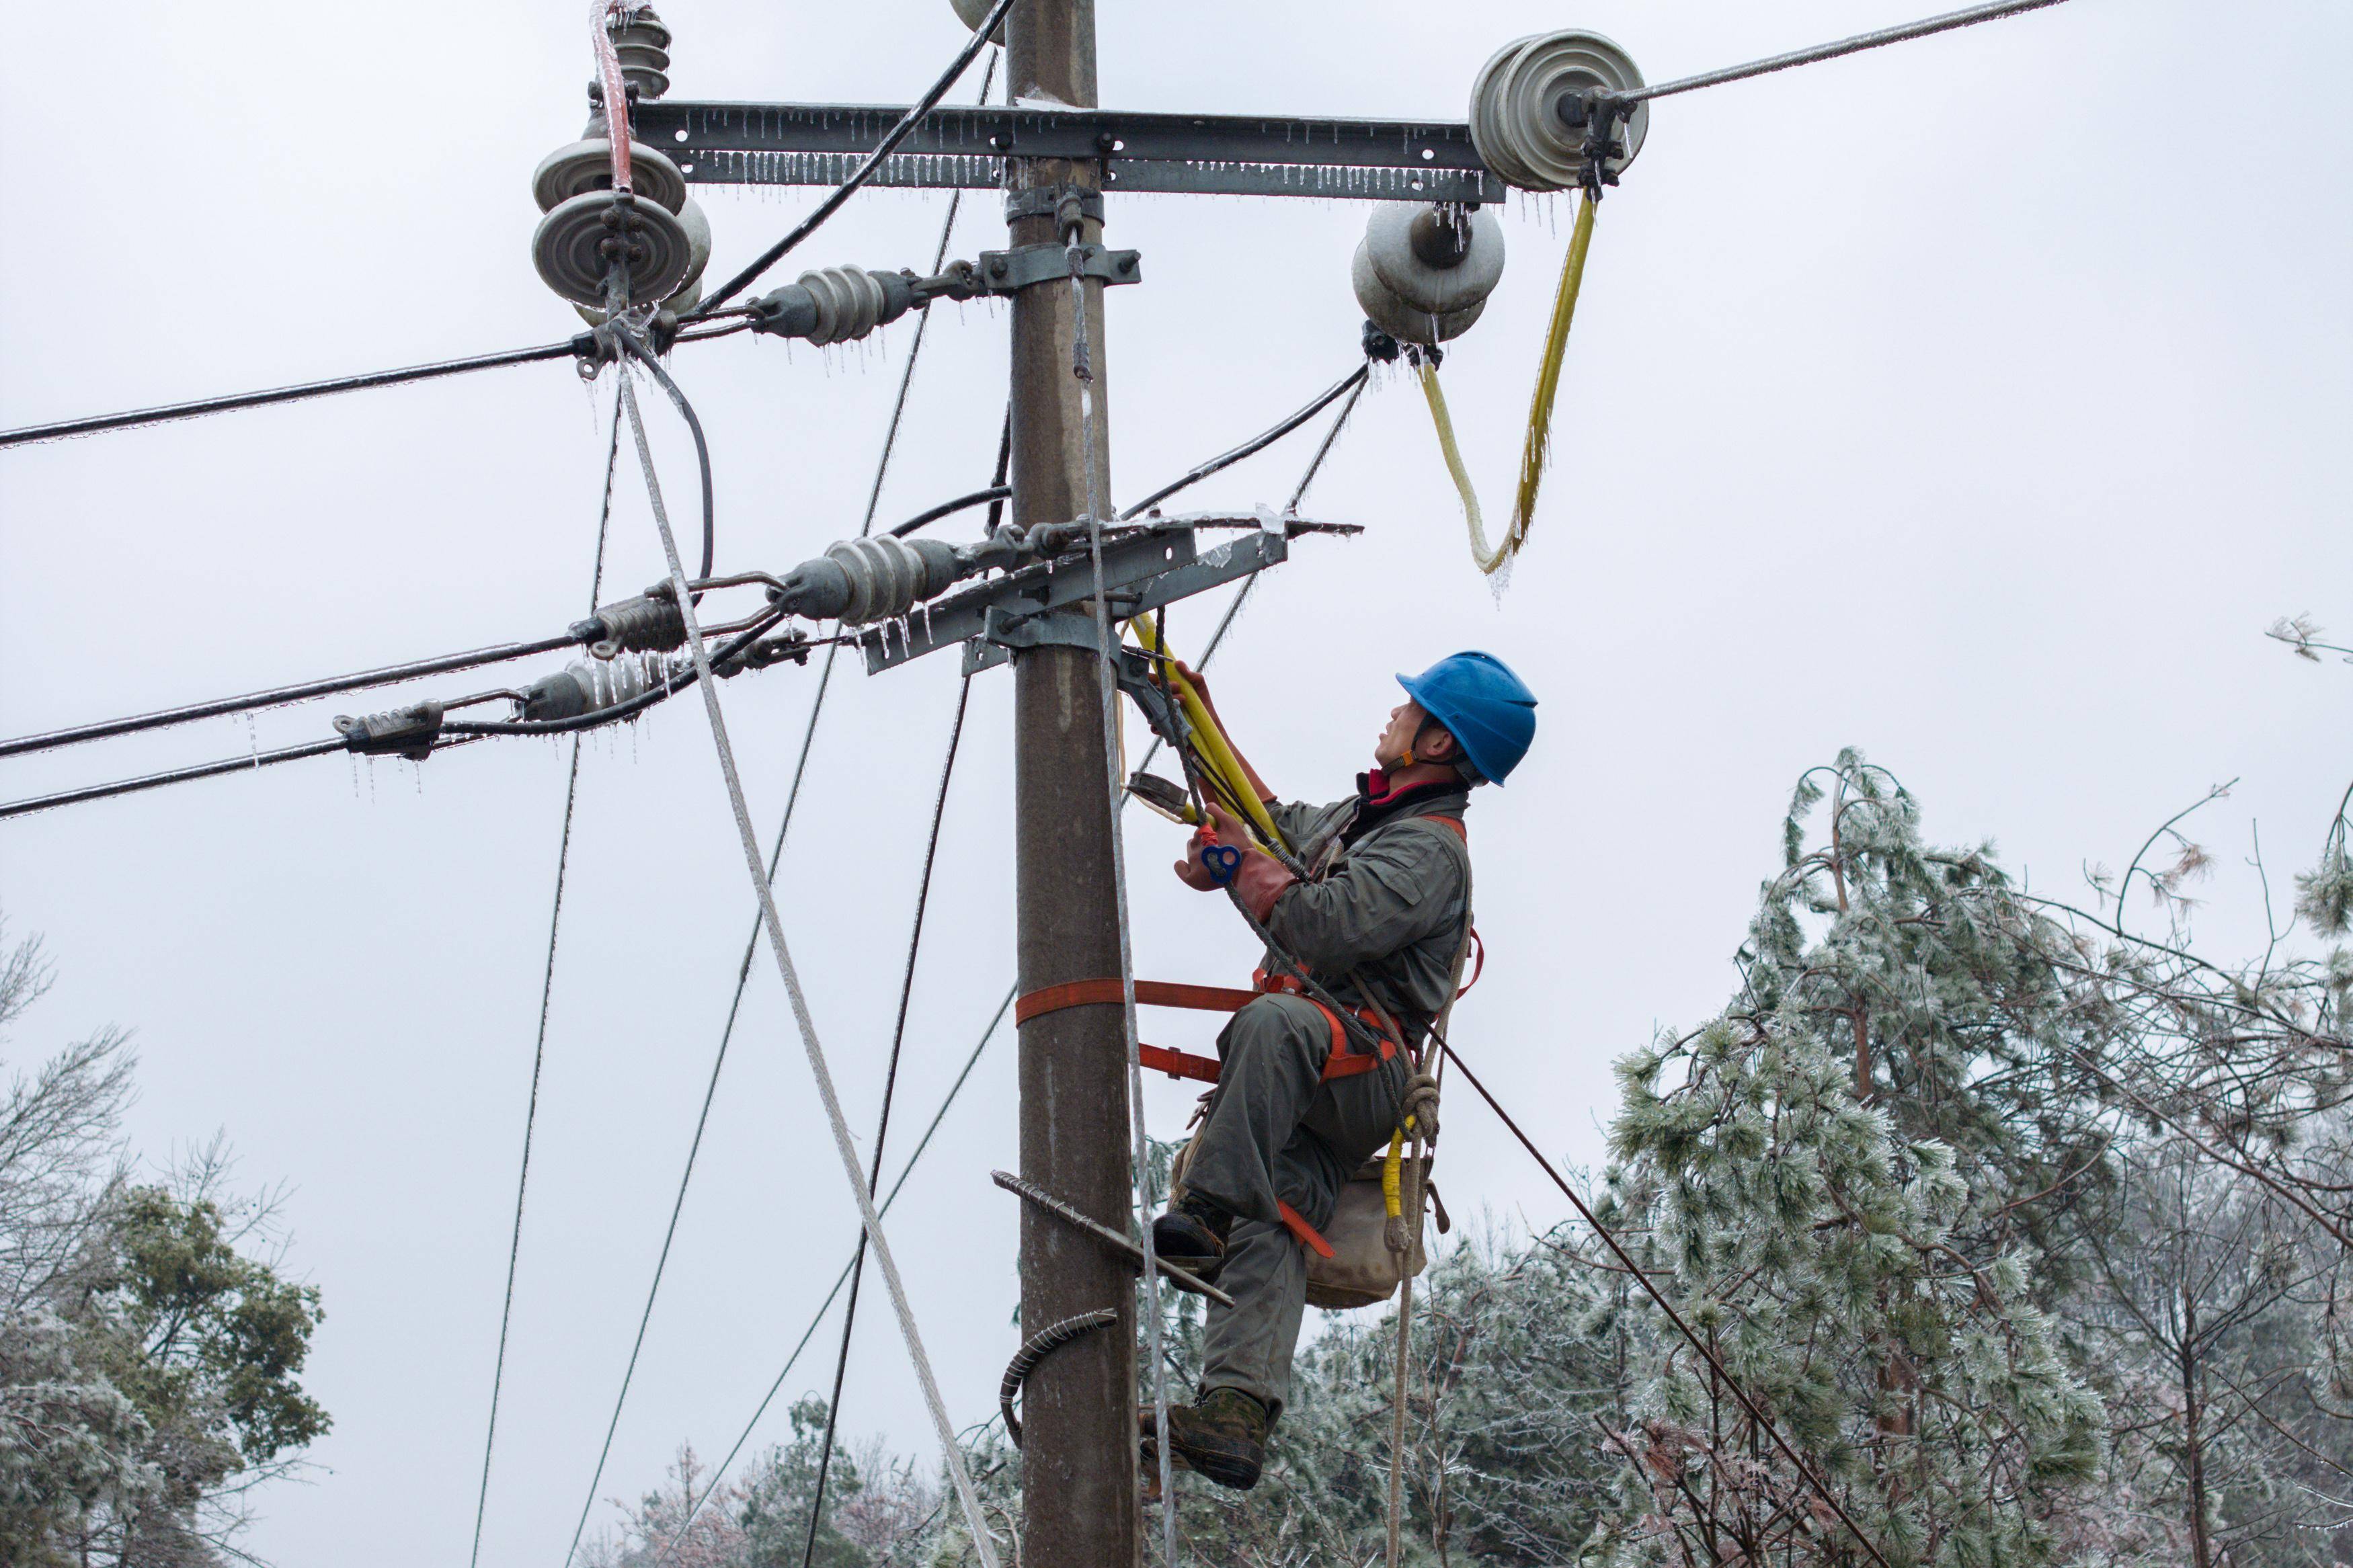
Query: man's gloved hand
<point>1222,829</point>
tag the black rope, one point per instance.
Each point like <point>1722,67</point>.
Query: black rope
<point>538,1045</point>
<point>883,1124</point>
<point>865,170</point>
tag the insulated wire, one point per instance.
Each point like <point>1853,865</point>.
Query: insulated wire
<point>1535,452</point>
<point>546,995</point>
<point>883,1124</point>
<point>865,170</point>
<point>959,1473</point>
<point>719,1472</point>
<point>1208,652</point>
<point>385,675</point>
<point>1322,400</point>
<point>775,858</point>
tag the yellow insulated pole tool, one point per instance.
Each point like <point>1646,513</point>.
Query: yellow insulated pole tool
<point>1211,740</point>
<point>1538,451</point>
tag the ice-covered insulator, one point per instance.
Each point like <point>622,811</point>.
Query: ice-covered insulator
<point>587,165</point>
<point>833,304</point>
<point>1440,260</point>
<point>1528,108</point>
<point>689,292</point>
<point>863,580</point>
<point>1406,322</point>
<point>972,13</point>
<point>642,43</point>
<point>650,623</point>
<point>586,687</point>
<point>576,243</point>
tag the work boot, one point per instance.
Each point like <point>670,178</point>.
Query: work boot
<point>1192,1235</point>
<point>1222,1436</point>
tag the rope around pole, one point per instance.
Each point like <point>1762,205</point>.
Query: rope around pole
<point>539,1046</point>
<point>959,1473</point>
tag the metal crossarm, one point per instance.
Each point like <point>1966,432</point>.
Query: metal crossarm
<point>966,147</point>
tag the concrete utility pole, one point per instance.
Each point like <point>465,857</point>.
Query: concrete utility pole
<point>1079,1430</point>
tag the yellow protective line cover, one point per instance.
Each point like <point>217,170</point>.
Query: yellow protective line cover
<point>1215,751</point>
<point>1538,450</point>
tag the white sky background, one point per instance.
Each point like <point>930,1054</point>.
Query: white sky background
<point>1976,402</point>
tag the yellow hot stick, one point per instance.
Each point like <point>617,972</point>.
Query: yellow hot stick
<point>1212,739</point>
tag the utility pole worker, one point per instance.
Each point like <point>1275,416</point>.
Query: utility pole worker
<point>1380,924</point>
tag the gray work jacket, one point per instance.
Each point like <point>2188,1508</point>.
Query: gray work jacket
<point>1388,897</point>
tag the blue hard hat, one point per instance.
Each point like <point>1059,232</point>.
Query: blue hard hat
<point>1483,705</point>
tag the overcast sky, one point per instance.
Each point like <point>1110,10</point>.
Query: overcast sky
<point>1978,402</point>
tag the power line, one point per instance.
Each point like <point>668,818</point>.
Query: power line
<point>539,1046</point>
<point>1854,45</point>
<point>1352,380</point>
<point>775,858</point>
<point>278,697</point>
<point>882,1123</point>
<point>1208,652</point>
<point>841,194</point>
<point>841,1279</point>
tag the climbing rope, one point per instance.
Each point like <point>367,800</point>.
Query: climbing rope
<point>1535,453</point>
<point>546,994</point>
<point>959,1473</point>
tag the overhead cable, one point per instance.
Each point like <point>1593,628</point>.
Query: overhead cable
<point>859,176</point>
<point>994,493</point>
<point>820,1071</point>
<point>1258,443</point>
<point>775,858</point>
<point>278,697</point>
<point>719,1472</point>
<point>840,1280</point>
<point>539,1043</point>
<point>882,1121</point>
<point>1947,22</point>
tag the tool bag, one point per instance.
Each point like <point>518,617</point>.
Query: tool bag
<point>1362,1271</point>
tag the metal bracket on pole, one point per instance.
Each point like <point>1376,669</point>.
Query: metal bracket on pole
<point>1009,271</point>
<point>966,147</point>
<point>1143,568</point>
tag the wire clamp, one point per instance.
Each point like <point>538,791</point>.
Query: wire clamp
<point>403,732</point>
<point>1007,272</point>
<point>650,623</point>
<point>1056,202</point>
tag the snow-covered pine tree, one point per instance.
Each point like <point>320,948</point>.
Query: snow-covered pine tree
<point>1849,1180</point>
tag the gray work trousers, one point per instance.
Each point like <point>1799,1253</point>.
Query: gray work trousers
<point>1276,1131</point>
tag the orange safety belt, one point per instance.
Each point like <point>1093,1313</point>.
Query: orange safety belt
<point>1339,1061</point>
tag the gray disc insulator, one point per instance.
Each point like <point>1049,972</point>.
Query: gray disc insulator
<point>688,293</point>
<point>849,303</point>
<point>1518,97</point>
<point>1476,246</point>
<point>587,165</point>
<point>1405,322</point>
<point>575,243</point>
<point>972,13</point>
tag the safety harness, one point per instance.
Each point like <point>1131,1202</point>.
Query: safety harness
<point>1342,1060</point>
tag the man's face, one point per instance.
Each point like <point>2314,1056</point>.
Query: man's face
<point>1406,721</point>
